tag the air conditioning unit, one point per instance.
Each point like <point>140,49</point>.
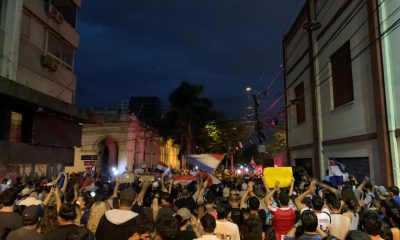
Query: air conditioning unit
<point>49,62</point>
<point>59,18</point>
<point>55,14</point>
<point>52,11</point>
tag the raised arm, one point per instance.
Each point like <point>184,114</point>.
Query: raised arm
<point>48,197</point>
<point>145,186</point>
<point>291,187</point>
<point>271,193</point>
<point>362,185</point>
<point>58,200</point>
<point>246,194</point>
<point>300,198</point>
<point>201,191</point>
<point>116,187</point>
<point>329,188</point>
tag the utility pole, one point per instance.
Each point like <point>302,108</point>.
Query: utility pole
<point>257,124</point>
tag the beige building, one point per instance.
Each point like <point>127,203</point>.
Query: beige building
<point>336,89</point>
<point>40,125</point>
<point>123,142</point>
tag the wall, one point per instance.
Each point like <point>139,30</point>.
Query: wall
<point>389,13</point>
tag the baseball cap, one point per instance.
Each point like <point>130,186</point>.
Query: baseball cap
<point>31,215</point>
<point>184,213</point>
<point>25,191</point>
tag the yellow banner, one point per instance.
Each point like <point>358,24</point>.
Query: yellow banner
<point>281,174</point>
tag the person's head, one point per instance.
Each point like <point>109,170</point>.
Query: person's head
<point>31,215</point>
<point>254,203</point>
<point>393,191</point>
<point>185,193</point>
<point>210,198</point>
<point>334,203</point>
<point>252,229</point>
<point>234,200</point>
<point>127,197</point>
<point>96,213</point>
<point>143,229</point>
<point>67,214</point>
<point>351,205</point>
<point>284,198</point>
<point>165,198</point>
<point>8,197</point>
<point>317,203</point>
<point>208,223</point>
<point>371,222</point>
<point>79,233</point>
<point>166,227</point>
<point>392,212</point>
<point>183,215</point>
<point>309,221</point>
<point>222,213</point>
<point>49,221</point>
<point>357,235</point>
<point>368,187</point>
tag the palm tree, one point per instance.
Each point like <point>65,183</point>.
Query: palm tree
<point>188,111</point>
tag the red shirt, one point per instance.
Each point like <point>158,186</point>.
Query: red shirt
<point>283,219</point>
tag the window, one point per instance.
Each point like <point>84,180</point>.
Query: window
<point>15,127</point>
<point>25,25</point>
<point>58,48</point>
<point>68,9</point>
<point>342,80</point>
<point>300,104</point>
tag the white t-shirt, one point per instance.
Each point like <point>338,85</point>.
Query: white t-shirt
<point>324,218</point>
<point>227,230</point>
<point>340,226</point>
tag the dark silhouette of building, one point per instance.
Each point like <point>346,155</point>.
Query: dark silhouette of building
<point>147,109</point>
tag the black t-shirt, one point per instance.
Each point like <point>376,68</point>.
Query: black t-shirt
<point>9,221</point>
<point>185,235</point>
<point>22,233</point>
<point>61,232</point>
<point>236,216</point>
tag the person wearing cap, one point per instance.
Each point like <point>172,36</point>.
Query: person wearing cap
<point>119,223</point>
<point>186,221</point>
<point>9,220</point>
<point>30,218</point>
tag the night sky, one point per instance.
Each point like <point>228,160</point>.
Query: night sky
<point>147,48</point>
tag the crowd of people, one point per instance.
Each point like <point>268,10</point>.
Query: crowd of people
<point>88,206</point>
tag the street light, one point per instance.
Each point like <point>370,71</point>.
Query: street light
<point>248,89</point>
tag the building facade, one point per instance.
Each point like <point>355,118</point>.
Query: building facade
<point>40,125</point>
<point>123,142</point>
<point>337,90</point>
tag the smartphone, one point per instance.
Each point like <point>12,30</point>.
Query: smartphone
<point>61,181</point>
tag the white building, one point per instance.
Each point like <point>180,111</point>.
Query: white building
<point>336,89</point>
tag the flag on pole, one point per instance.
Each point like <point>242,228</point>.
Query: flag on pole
<point>337,173</point>
<point>205,162</point>
<point>184,180</point>
<point>162,167</point>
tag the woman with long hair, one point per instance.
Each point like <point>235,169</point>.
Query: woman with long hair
<point>96,212</point>
<point>49,221</point>
<point>352,213</point>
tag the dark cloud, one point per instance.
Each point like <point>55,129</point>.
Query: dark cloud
<point>135,48</point>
